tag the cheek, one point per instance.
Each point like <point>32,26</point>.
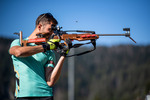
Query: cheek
<point>46,30</point>
<point>42,29</point>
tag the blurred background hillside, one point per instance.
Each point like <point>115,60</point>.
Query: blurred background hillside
<point>109,73</point>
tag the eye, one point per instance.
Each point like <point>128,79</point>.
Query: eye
<point>53,25</point>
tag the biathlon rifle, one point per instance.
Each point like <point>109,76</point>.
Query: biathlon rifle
<point>68,38</point>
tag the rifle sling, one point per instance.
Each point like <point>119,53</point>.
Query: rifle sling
<point>85,52</point>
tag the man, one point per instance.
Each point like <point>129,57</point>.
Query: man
<point>34,65</point>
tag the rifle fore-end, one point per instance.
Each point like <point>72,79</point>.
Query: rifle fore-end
<point>78,37</point>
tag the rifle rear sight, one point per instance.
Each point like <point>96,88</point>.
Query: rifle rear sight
<point>56,28</point>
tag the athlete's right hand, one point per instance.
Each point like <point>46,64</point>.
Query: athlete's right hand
<point>51,44</point>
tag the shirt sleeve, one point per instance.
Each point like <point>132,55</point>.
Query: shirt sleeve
<point>51,60</point>
<point>14,43</point>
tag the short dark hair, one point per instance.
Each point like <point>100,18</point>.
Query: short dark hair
<point>46,18</point>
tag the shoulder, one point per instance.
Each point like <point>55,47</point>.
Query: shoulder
<point>15,42</point>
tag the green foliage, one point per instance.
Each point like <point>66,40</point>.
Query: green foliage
<point>109,73</point>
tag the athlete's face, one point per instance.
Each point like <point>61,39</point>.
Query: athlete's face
<point>47,29</point>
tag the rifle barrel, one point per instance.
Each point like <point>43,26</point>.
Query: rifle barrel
<point>126,34</point>
<point>113,34</point>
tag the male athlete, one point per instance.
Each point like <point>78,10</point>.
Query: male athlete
<point>34,64</point>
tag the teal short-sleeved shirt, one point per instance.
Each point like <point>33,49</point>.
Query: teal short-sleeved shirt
<point>30,73</point>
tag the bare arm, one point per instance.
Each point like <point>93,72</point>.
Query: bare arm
<point>25,51</point>
<point>53,74</point>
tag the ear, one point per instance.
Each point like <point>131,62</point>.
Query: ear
<point>39,27</point>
